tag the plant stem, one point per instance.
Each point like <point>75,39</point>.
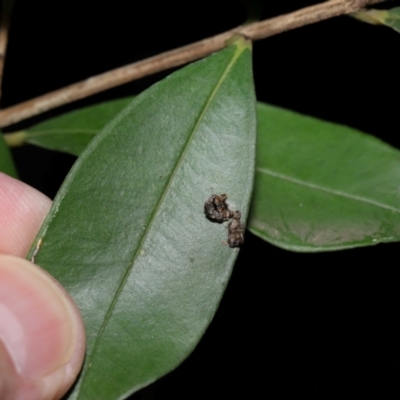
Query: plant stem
<point>4,28</point>
<point>177,57</point>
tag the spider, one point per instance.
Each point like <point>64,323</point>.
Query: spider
<point>216,208</point>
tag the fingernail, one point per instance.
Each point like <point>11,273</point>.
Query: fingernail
<point>38,324</point>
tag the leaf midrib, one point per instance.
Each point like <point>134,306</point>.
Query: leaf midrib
<point>326,190</point>
<point>158,205</point>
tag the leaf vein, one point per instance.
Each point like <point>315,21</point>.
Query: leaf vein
<point>327,190</point>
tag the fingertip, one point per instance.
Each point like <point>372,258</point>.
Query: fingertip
<point>42,332</point>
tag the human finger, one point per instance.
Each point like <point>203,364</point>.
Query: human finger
<point>42,341</point>
<point>22,211</point>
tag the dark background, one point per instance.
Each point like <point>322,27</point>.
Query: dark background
<point>289,324</point>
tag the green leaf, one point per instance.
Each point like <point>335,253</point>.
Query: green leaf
<point>321,186</point>
<point>127,234</point>
<point>390,18</point>
<point>6,162</point>
<point>70,132</point>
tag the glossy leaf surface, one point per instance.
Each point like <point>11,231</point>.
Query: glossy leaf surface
<point>321,186</point>
<point>127,234</point>
<point>70,132</point>
<point>6,162</point>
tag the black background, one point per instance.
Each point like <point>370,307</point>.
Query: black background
<point>289,324</point>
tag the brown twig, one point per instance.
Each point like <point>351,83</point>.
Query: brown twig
<point>177,57</point>
<point>4,28</point>
<point>4,22</point>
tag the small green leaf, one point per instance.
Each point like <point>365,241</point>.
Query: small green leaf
<point>390,18</point>
<point>6,162</point>
<point>127,234</point>
<point>71,132</point>
<point>321,186</point>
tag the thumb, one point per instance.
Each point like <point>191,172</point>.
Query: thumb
<point>42,340</point>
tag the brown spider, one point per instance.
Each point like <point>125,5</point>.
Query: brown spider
<point>217,209</point>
